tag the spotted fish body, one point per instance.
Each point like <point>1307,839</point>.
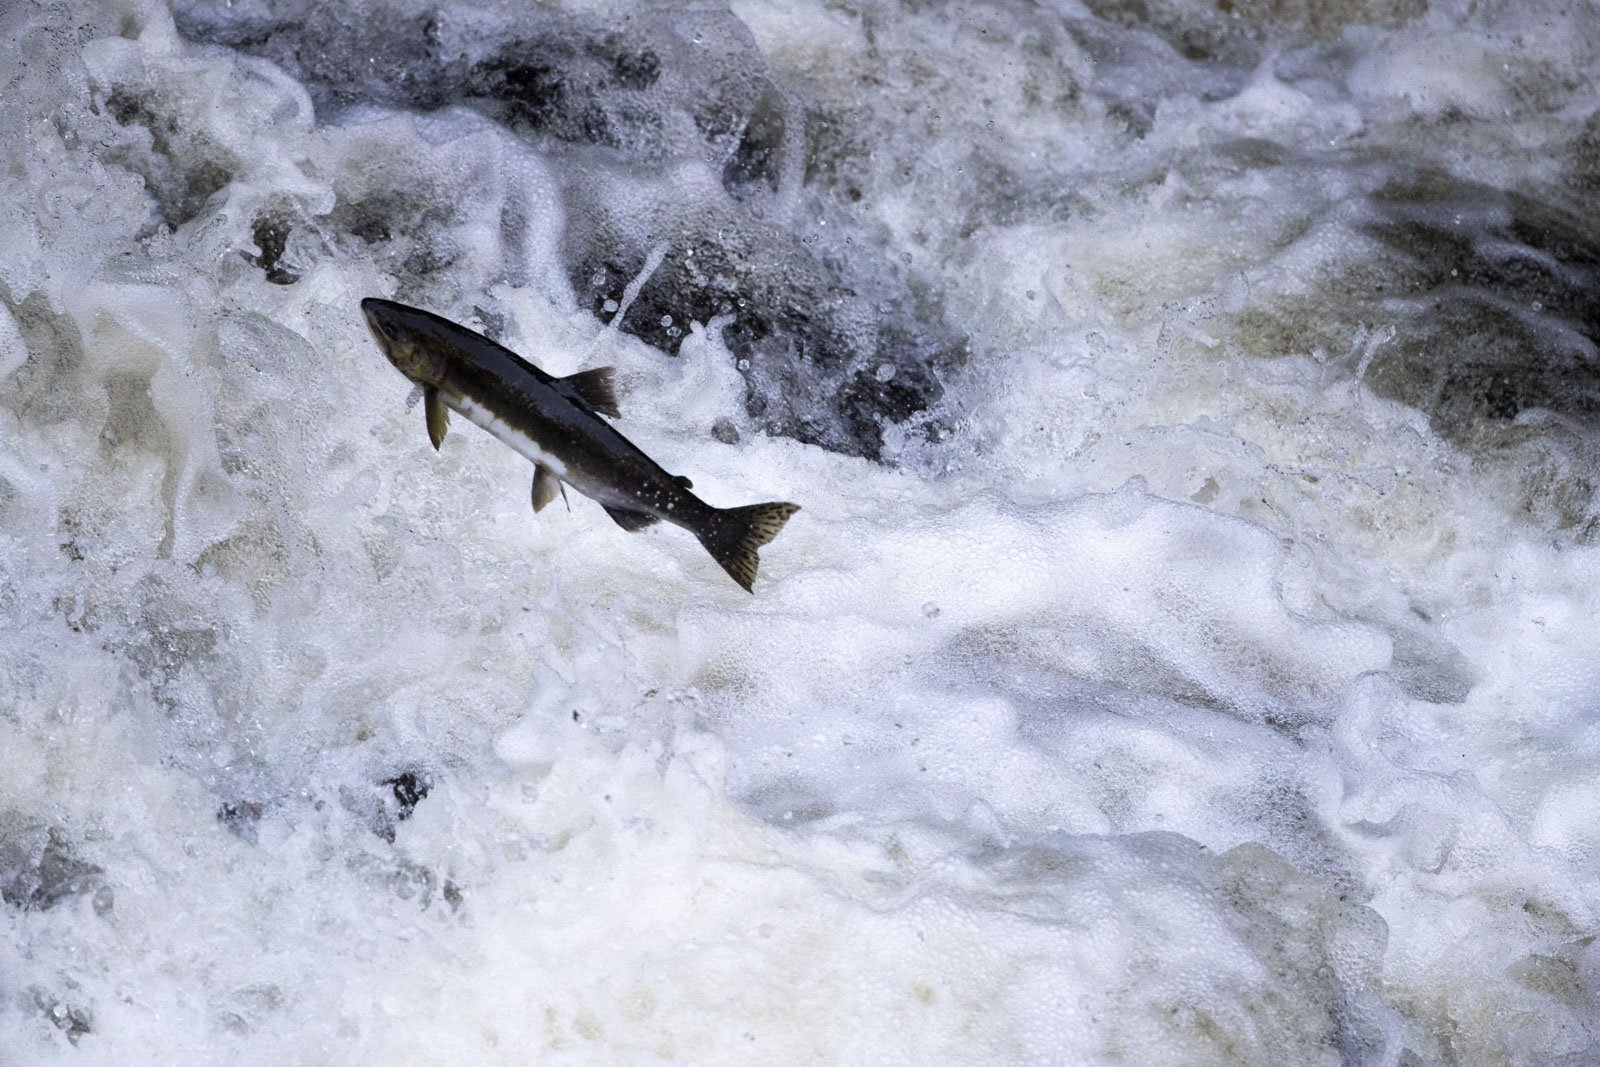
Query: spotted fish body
<point>556,423</point>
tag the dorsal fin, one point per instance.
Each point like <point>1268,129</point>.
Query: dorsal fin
<point>596,387</point>
<point>686,483</point>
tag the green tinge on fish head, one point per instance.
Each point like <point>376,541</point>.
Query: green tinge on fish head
<point>398,332</point>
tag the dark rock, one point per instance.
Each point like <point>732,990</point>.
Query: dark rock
<point>181,169</point>
<point>73,1020</point>
<point>271,235</point>
<point>758,155</point>
<point>1493,299</point>
<point>241,818</point>
<point>409,789</point>
<point>811,321</point>
<point>1501,302</point>
<point>40,869</point>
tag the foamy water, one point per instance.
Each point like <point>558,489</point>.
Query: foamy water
<point>1186,652</point>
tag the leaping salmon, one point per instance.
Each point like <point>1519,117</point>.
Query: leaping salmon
<point>556,423</point>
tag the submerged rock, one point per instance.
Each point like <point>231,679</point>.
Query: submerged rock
<point>807,320</point>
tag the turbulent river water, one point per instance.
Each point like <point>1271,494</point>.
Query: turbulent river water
<point>1187,652</point>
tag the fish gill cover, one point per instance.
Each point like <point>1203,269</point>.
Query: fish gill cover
<point>1187,653</point>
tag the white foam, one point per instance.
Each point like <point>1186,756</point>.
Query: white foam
<point>1186,701</point>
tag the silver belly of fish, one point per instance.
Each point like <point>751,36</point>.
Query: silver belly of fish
<point>482,417</point>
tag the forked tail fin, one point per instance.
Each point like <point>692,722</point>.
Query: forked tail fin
<point>734,534</point>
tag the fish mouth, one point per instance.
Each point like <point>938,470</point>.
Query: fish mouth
<point>375,312</point>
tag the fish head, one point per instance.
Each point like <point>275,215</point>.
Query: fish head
<point>406,336</point>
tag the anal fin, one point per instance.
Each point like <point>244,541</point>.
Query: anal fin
<point>631,520</point>
<point>438,415</point>
<point>545,487</point>
<point>596,387</point>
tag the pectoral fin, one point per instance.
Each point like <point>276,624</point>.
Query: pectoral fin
<point>438,415</point>
<point>545,486</point>
<point>631,520</point>
<point>596,387</point>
